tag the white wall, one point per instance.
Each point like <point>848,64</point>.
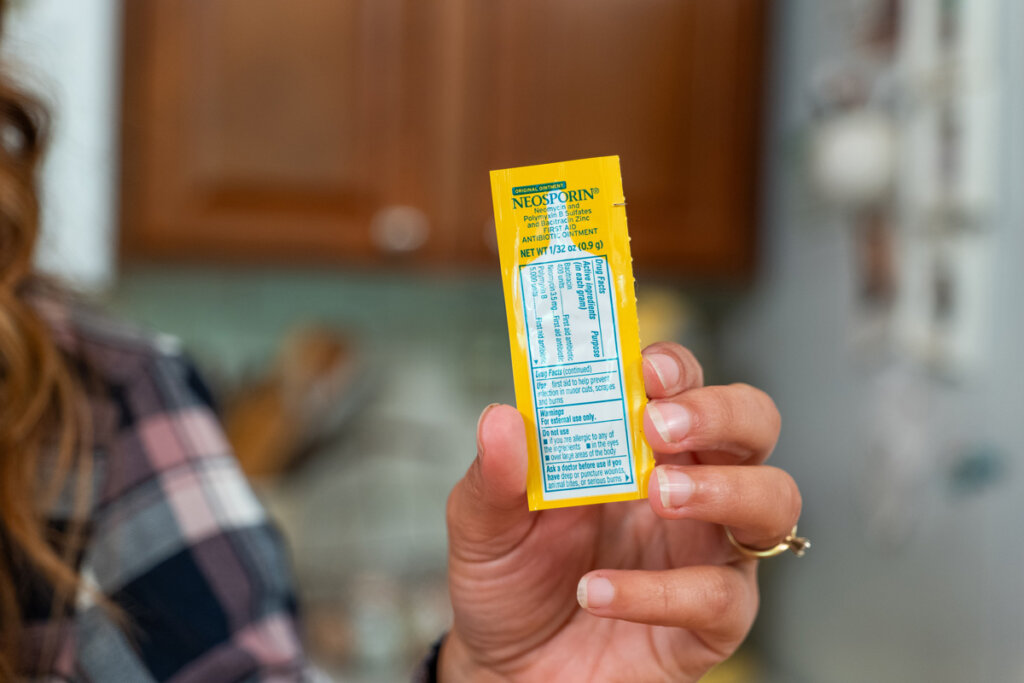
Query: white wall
<point>945,604</point>
<point>68,51</point>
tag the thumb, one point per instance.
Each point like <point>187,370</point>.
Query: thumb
<point>487,509</point>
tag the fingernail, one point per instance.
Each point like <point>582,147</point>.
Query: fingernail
<point>593,592</point>
<point>674,486</point>
<point>480,421</point>
<point>670,419</point>
<point>666,368</point>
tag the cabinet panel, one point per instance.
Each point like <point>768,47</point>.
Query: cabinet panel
<point>256,131</point>
<point>263,120</point>
<point>672,87</point>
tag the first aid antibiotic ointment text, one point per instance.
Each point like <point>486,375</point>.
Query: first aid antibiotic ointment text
<point>572,323</point>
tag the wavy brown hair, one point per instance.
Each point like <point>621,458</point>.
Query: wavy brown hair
<point>43,426</point>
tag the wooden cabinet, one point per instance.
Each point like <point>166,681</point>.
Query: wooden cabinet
<point>361,131</point>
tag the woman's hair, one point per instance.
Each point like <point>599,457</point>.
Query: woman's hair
<point>42,419</point>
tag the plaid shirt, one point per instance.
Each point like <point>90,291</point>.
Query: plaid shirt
<point>176,539</point>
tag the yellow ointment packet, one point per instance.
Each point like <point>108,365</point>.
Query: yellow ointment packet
<point>572,326</point>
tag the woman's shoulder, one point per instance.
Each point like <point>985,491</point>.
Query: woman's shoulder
<point>100,344</point>
<point>151,412</point>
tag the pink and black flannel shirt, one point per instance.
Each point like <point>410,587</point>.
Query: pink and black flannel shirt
<point>176,539</point>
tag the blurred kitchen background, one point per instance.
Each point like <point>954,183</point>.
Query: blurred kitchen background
<point>825,198</point>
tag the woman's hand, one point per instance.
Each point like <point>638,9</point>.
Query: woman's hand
<point>638,591</point>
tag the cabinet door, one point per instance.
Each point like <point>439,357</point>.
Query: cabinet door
<point>672,86</point>
<point>274,130</point>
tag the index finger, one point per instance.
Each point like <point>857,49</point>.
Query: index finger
<point>670,369</point>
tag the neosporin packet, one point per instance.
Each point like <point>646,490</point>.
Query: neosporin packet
<point>572,326</point>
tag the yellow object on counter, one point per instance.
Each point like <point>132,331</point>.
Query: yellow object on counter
<point>572,322</point>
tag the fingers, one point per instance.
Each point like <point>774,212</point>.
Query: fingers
<point>670,369</point>
<point>722,424</point>
<point>726,424</point>
<point>761,505</point>
<point>718,601</point>
<point>487,509</point>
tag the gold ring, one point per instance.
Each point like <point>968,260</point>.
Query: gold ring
<point>793,543</point>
